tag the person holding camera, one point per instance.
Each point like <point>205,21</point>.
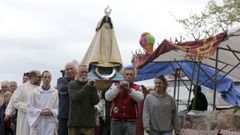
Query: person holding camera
<point>124,96</point>
<point>82,98</point>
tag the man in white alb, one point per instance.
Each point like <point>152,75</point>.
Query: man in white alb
<point>20,100</point>
<point>42,108</point>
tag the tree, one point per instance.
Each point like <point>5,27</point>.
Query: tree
<point>214,19</point>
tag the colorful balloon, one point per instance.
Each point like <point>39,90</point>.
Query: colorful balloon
<point>147,41</point>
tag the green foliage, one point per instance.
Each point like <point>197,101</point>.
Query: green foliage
<point>214,19</point>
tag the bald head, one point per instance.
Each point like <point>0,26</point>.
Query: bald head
<point>35,77</point>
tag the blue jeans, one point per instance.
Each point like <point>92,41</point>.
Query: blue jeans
<point>160,133</point>
<point>123,127</point>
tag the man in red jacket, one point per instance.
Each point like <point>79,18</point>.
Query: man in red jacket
<point>124,96</point>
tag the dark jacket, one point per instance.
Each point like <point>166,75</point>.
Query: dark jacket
<point>2,122</point>
<point>199,102</point>
<point>83,97</point>
<point>62,87</point>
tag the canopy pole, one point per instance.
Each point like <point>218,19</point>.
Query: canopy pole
<point>198,72</point>
<point>189,96</point>
<point>178,81</point>
<point>215,81</point>
<point>175,84</point>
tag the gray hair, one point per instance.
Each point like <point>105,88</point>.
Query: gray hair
<point>5,83</point>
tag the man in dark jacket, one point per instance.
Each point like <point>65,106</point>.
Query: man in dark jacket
<point>83,96</point>
<point>62,87</point>
<point>199,102</point>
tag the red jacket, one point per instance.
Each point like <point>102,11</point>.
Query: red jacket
<point>123,106</point>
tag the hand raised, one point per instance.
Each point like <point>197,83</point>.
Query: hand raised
<point>124,84</point>
<point>91,82</point>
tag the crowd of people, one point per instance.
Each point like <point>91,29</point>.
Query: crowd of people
<point>76,107</point>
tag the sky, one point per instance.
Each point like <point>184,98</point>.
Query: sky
<point>47,34</point>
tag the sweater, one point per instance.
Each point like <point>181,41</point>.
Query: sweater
<point>159,113</point>
<point>82,97</point>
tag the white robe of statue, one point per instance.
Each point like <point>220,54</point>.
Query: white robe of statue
<point>42,99</point>
<point>103,50</point>
<point>20,100</point>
